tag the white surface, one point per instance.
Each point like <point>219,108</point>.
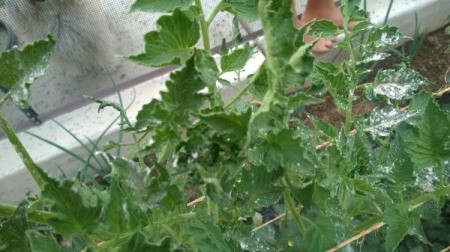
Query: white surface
<point>85,121</point>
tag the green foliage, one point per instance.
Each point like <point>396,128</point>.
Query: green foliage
<point>245,9</point>
<point>12,231</point>
<point>430,138</point>
<point>173,43</point>
<point>159,6</point>
<point>251,163</point>
<point>19,69</point>
<point>236,60</point>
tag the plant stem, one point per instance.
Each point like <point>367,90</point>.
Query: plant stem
<point>237,96</point>
<point>297,217</point>
<point>35,216</point>
<point>5,98</point>
<point>388,12</point>
<point>139,154</point>
<point>350,70</point>
<point>34,170</point>
<point>206,44</point>
<point>216,10</point>
<point>440,172</point>
<point>203,27</point>
<point>383,150</point>
<point>348,116</point>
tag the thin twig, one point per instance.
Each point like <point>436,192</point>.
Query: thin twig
<point>196,201</point>
<point>356,237</point>
<point>376,226</point>
<point>447,249</point>
<point>269,222</point>
<point>326,144</point>
<point>443,91</point>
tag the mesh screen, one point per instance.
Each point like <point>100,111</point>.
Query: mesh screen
<point>92,37</point>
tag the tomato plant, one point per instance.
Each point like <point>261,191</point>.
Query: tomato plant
<point>264,180</point>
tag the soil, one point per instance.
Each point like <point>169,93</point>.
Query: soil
<point>432,61</point>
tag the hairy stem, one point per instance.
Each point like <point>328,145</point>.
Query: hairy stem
<point>440,173</point>
<point>206,44</point>
<point>297,217</point>
<point>5,98</point>
<point>351,67</point>
<point>238,96</point>
<point>348,116</point>
<point>34,170</point>
<point>214,13</point>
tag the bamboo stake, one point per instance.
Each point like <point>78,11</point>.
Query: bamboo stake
<point>269,222</point>
<point>198,200</point>
<point>356,237</point>
<point>447,249</point>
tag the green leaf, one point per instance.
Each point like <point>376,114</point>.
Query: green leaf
<point>324,28</point>
<point>320,125</point>
<point>237,59</point>
<point>42,243</point>
<point>324,234</point>
<point>76,206</point>
<point>116,214</point>
<point>301,99</point>
<point>140,242</point>
<point>259,82</point>
<point>165,142</point>
<point>159,5</point>
<point>244,9</point>
<point>350,9</point>
<point>362,26</point>
<point>271,116</point>
<point>201,234</point>
<point>181,98</point>
<point>368,55</point>
<point>426,144</point>
<point>19,69</point>
<point>288,61</point>
<point>381,120</point>
<point>398,166</point>
<point>223,48</point>
<point>301,58</point>
<point>261,241</point>
<point>280,149</point>
<point>384,36</point>
<point>401,222</point>
<point>419,104</point>
<point>396,84</point>
<point>365,186</point>
<point>172,43</point>
<point>12,231</point>
<point>336,83</point>
<point>104,104</point>
<point>224,82</point>
<point>182,95</point>
<point>231,126</point>
<point>146,190</point>
<point>277,22</point>
<point>258,189</point>
<point>207,67</point>
<point>237,36</point>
